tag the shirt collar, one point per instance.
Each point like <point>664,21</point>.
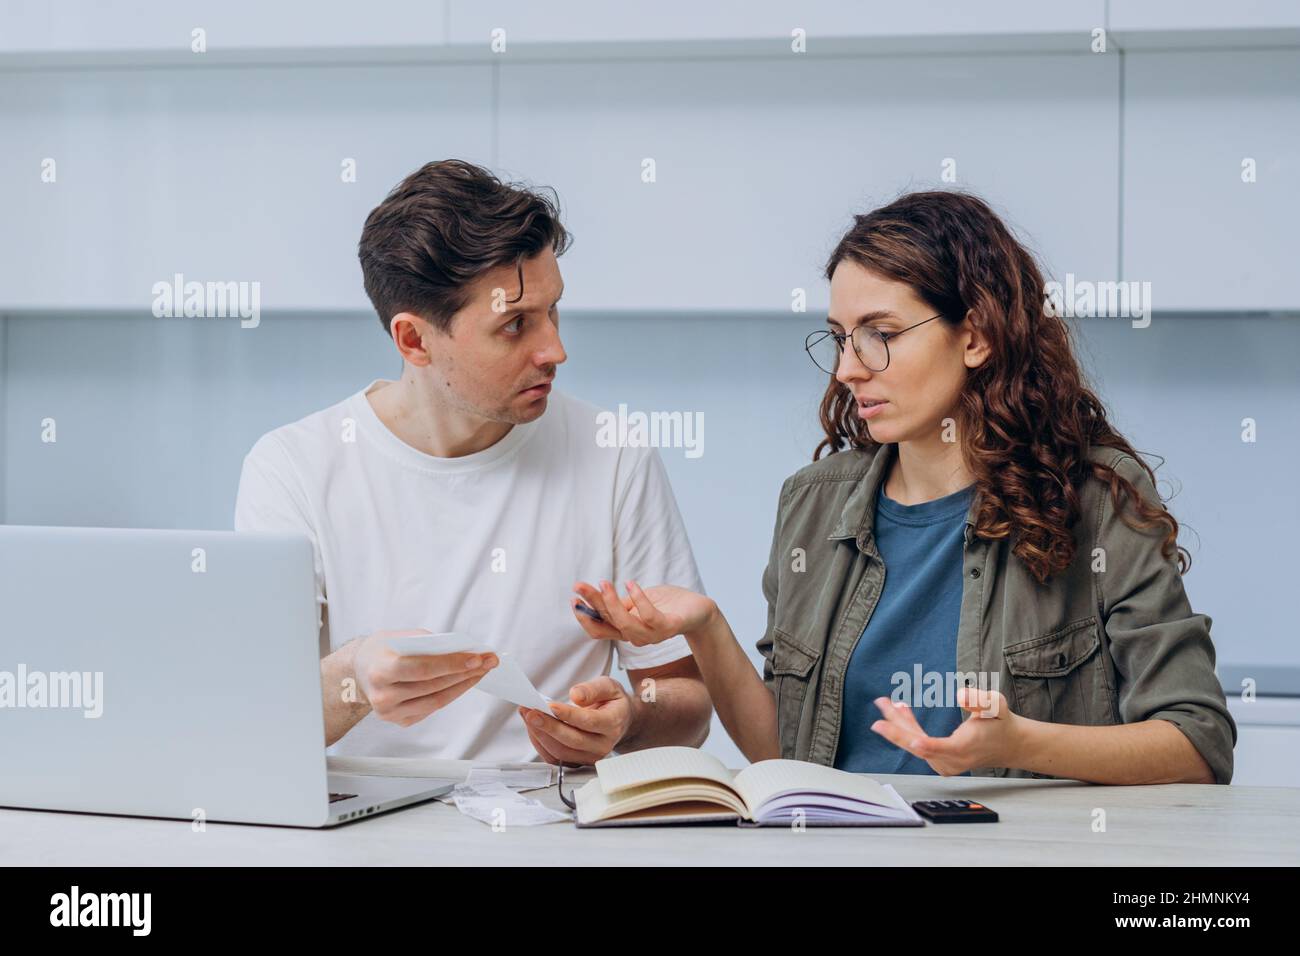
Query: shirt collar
<point>857,518</point>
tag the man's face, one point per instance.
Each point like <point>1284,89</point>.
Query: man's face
<point>499,356</point>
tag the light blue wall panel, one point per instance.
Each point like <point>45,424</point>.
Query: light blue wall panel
<point>154,417</point>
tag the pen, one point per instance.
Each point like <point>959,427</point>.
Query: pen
<point>590,612</point>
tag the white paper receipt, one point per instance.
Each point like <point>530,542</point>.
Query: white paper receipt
<point>507,680</point>
<point>498,805</point>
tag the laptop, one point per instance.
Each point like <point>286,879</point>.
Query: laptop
<point>170,674</point>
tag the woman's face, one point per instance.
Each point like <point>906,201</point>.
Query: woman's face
<point>927,365</point>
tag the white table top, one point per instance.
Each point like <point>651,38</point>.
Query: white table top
<point>1042,822</point>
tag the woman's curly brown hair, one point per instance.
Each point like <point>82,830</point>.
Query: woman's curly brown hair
<point>1026,418</point>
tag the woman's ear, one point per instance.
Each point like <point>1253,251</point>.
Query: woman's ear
<point>975,345</point>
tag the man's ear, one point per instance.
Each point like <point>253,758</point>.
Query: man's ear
<point>410,333</point>
<point>976,349</point>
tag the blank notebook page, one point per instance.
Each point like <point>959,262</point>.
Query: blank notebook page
<point>660,763</point>
<point>759,782</point>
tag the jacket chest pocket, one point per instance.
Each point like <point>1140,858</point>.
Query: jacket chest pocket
<point>793,663</point>
<point>1061,677</point>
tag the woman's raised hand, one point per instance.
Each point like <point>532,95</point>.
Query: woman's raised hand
<point>642,616</point>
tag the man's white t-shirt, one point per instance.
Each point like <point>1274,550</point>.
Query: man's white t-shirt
<point>489,544</point>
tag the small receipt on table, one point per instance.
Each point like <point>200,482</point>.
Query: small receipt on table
<point>499,806</point>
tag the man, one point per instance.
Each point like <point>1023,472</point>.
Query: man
<point>468,496</point>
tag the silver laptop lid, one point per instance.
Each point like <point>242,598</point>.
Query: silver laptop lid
<point>160,673</point>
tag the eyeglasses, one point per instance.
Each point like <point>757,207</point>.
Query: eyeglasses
<point>825,347</point>
<point>570,801</point>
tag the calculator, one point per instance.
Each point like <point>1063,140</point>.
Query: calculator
<point>954,811</point>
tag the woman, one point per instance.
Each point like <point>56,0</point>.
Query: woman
<point>981,556</point>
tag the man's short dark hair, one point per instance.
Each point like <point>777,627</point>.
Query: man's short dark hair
<point>441,228</point>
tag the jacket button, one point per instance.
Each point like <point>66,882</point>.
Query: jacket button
<point>1060,660</point>
<point>974,572</point>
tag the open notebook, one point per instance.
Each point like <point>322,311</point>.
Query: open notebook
<point>685,785</point>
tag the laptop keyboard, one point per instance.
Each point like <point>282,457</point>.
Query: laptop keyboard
<point>336,797</point>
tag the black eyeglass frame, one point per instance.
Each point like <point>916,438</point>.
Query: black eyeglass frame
<point>569,801</point>
<point>819,336</point>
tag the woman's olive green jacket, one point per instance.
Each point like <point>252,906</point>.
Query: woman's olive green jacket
<point>1110,640</point>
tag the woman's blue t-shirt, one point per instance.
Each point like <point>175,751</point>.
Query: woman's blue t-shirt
<point>911,638</point>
